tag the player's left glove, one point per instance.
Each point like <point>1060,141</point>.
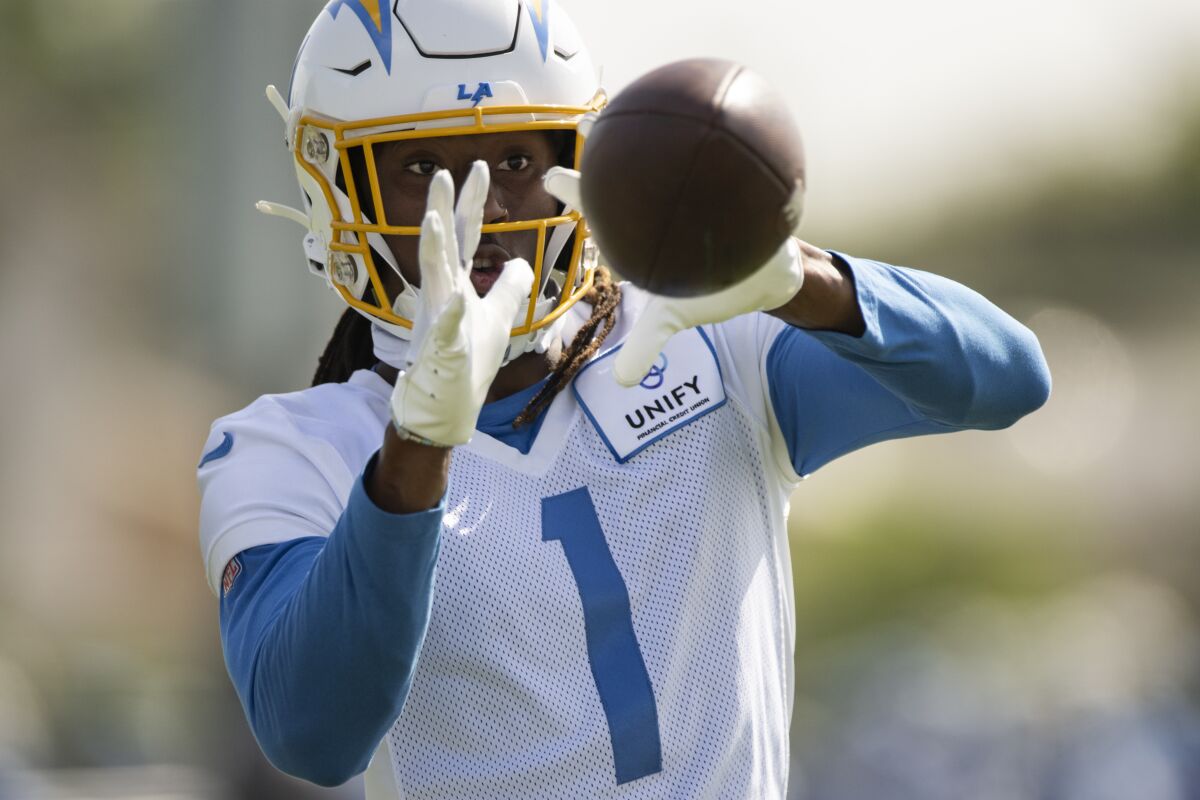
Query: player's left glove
<point>772,285</point>
<point>459,338</point>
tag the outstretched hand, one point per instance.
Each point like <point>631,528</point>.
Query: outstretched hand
<point>459,338</point>
<point>772,285</point>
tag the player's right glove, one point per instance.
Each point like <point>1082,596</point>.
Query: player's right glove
<point>459,338</point>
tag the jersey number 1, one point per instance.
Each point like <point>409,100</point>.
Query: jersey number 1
<point>616,659</point>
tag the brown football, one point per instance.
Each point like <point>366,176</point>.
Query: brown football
<point>692,177</point>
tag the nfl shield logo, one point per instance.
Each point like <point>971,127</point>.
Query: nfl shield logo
<point>232,570</point>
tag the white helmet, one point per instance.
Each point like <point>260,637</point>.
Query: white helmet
<point>375,71</point>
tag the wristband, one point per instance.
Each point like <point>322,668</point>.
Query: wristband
<point>408,436</point>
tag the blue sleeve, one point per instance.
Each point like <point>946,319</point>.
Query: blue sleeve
<point>321,636</point>
<point>935,357</point>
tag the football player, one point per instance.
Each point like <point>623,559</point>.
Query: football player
<point>525,536</point>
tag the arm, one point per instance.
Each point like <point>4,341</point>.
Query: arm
<point>929,356</point>
<point>827,300</point>
<point>322,642</point>
<point>321,636</point>
<point>408,477</point>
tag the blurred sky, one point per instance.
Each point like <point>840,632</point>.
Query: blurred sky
<point>908,104</point>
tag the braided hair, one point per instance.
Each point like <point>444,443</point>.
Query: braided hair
<point>350,349</point>
<point>604,297</point>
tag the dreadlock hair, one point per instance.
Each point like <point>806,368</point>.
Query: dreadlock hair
<point>604,297</point>
<point>350,349</point>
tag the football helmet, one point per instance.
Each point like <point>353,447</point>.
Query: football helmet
<point>377,71</point>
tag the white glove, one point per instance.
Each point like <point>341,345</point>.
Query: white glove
<point>772,285</point>
<point>459,338</point>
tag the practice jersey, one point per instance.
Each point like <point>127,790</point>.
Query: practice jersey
<point>612,615</point>
<point>667,568</point>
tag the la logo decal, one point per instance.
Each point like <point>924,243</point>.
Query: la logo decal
<point>483,90</point>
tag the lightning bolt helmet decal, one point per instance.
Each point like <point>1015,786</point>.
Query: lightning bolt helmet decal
<point>375,20</point>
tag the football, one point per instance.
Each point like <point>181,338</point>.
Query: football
<point>692,177</point>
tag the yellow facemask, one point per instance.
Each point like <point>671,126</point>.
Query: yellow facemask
<point>320,146</point>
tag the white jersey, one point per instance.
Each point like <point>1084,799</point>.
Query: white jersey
<point>612,612</point>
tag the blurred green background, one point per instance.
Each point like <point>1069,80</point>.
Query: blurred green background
<point>984,615</point>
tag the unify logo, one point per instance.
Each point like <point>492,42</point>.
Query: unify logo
<point>483,90</point>
<point>672,405</point>
<point>657,374</point>
<point>630,419</point>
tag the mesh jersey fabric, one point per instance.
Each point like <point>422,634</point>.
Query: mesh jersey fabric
<point>504,702</point>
